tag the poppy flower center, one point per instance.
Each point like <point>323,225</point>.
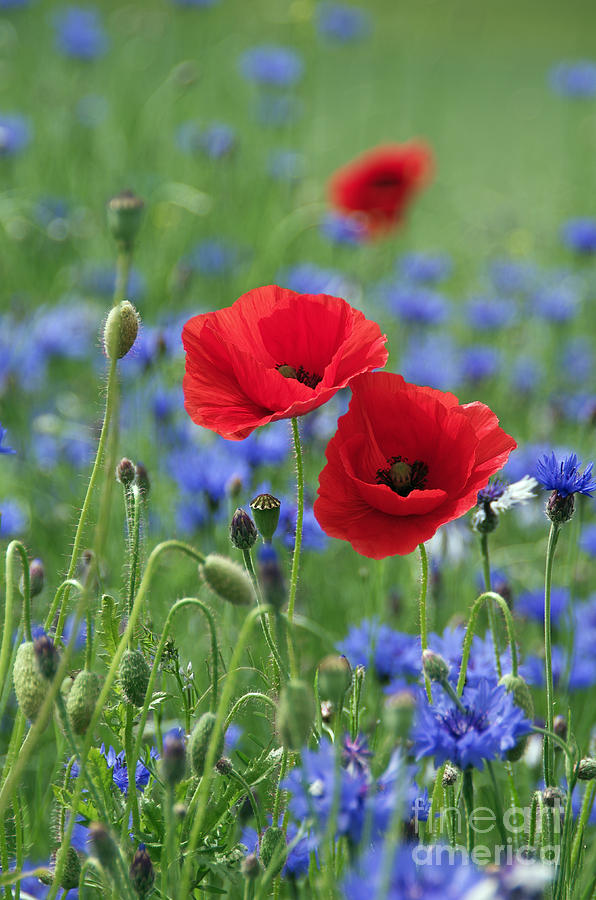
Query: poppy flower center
<point>386,180</point>
<point>310,379</point>
<point>403,477</point>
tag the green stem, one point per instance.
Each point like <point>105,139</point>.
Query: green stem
<point>89,640</point>
<point>68,583</point>
<point>549,750</point>
<point>5,651</point>
<point>278,792</point>
<point>468,797</point>
<point>203,789</point>
<point>487,596</point>
<point>131,765</point>
<point>299,518</point>
<point>584,817</point>
<point>491,613</point>
<point>252,695</point>
<point>134,546</point>
<point>255,806</point>
<point>536,797</point>
<point>4,856</point>
<point>422,609</point>
<point>265,622</point>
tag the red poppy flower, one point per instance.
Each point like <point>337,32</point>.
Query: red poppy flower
<point>405,460</point>
<point>380,184</point>
<point>273,354</point>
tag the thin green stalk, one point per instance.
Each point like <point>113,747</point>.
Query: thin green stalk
<point>89,639</point>
<point>134,546</point>
<point>299,519</point>
<point>255,806</point>
<point>422,609</point>
<point>68,583</point>
<point>252,695</point>
<point>203,788</point>
<point>265,622</point>
<point>549,750</point>
<point>487,596</point>
<point>468,797</point>
<point>583,820</point>
<point>536,798</point>
<point>491,613</point>
<point>131,765</point>
<point>20,855</point>
<point>4,856</point>
<point>277,799</point>
<point>167,850</point>
<point>5,651</point>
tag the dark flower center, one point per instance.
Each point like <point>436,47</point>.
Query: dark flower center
<point>386,180</point>
<point>310,379</point>
<point>403,477</point>
<point>459,723</point>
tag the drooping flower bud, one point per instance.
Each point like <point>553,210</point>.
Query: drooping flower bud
<point>449,775</point>
<point>36,578</point>
<point>295,714</point>
<point>198,744</point>
<point>227,580</point>
<point>435,666</point>
<point>515,684</point>
<point>81,701</point>
<point>142,873</point>
<point>47,656</point>
<point>271,577</point>
<point>125,211</point>
<point>121,329</point>
<point>274,849</point>
<point>250,866</point>
<point>125,472</point>
<point>243,532</point>
<point>335,678</point>
<point>266,510</point>
<point>173,760</point>
<point>560,509</point>
<point>72,868</point>
<point>134,676</point>
<point>586,770</point>
<point>142,479</point>
<point>30,685</point>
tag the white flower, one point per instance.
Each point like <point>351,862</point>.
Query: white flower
<point>519,492</point>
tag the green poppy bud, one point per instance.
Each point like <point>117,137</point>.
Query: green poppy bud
<point>335,678</point>
<point>81,701</point>
<point>104,846</point>
<point>274,849</point>
<point>30,685</point>
<point>243,532</point>
<point>121,329</point>
<point>142,873</point>
<point>72,868</point>
<point>250,866</point>
<point>173,760</point>
<point>125,211</point>
<point>125,472</point>
<point>134,676</point>
<point>47,656</point>
<point>227,580</point>
<point>36,578</point>
<point>515,684</point>
<point>266,510</point>
<point>198,744</point>
<point>435,666</point>
<point>295,714</point>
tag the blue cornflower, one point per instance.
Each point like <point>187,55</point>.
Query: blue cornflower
<point>526,374</point>
<point>577,360</point>
<point>101,280</point>
<point>277,109</point>
<point>394,654</point>
<point>308,278</point>
<point>342,229</point>
<point>285,165</point>
<point>355,754</point>
<point>271,65</point>
<point>313,536</point>
<point>342,23</point>
<point>80,34</point>
<point>13,4</point>
<point>574,79</point>
<point>4,449</point>
<point>13,518</point>
<point>556,303</point>
<point>580,235</point>
<point>564,476</point>
<point>425,268</point>
<point>417,305</point>
<point>531,604</point>
<point>490,313</point>
<point>213,257</point>
<point>218,140</point>
<point>433,360</point>
<point>579,666</point>
<point>512,276</point>
<point>587,540</point>
<point>298,859</point>
<point>15,134</point>
<point>480,361</point>
<point>488,725</point>
<point>440,875</point>
<point>117,762</point>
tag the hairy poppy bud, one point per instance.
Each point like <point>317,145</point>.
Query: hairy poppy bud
<point>72,868</point>
<point>335,677</point>
<point>81,701</point>
<point>435,666</point>
<point>142,479</point>
<point>243,532</point>
<point>121,329</point>
<point>515,684</point>
<point>271,577</point>
<point>586,770</point>
<point>125,211</point>
<point>295,714</point>
<point>250,866</point>
<point>36,578</point>
<point>449,775</point>
<point>266,509</point>
<point>47,656</point>
<point>134,676</point>
<point>30,685</point>
<point>227,580</point>
<point>103,846</point>
<point>199,743</point>
<point>142,873</point>
<point>173,760</point>
<point>560,509</point>
<point>274,849</point>
<point>125,472</point>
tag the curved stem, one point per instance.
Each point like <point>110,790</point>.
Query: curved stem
<point>299,518</point>
<point>422,609</point>
<point>255,806</point>
<point>68,583</point>
<point>487,596</point>
<point>265,623</point>
<point>252,695</point>
<point>549,750</point>
<point>5,651</point>
<point>203,789</point>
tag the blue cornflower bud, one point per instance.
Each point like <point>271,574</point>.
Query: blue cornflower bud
<point>243,531</point>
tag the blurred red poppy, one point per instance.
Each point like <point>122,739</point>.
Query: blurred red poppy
<point>379,185</point>
<point>405,460</point>
<point>273,354</point>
